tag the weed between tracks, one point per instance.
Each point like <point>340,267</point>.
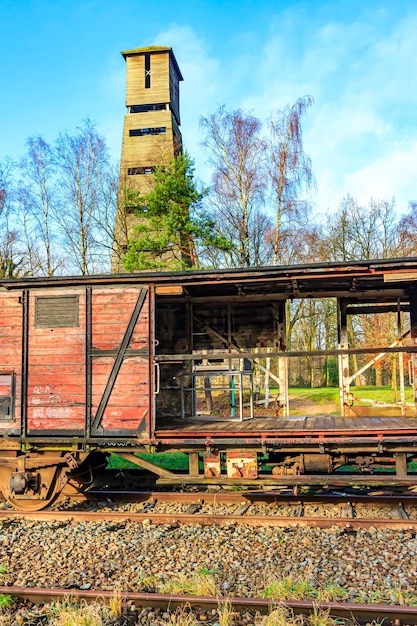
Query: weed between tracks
<point>4,575</point>
<point>6,603</point>
<point>72,613</point>
<point>200,584</point>
<point>97,615</point>
<point>292,588</point>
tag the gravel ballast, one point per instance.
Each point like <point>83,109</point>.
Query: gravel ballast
<point>242,559</point>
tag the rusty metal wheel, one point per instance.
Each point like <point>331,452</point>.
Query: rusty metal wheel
<point>51,477</point>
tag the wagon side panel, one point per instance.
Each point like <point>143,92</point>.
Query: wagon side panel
<point>121,370</point>
<point>56,357</point>
<point>10,362</point>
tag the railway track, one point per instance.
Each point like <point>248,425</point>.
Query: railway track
<point>132,603</point>
<point>252,508</point>
<point>250,496</point>
<point>151,517</point>
<point>206,519</point>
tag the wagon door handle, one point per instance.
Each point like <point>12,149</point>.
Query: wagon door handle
<point>157,377</point>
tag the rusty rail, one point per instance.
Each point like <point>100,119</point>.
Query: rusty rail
<point>172,519</point>
<point>248,497</point>
<point>348,610</point>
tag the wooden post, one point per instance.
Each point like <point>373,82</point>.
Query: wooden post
<point>207,388</point>
<point>283,361</point>
<point>401,360</point>
<point>268,368</point>
<point>401,465</point>
<point>193,467</point>
<point>343,359</point>
<point>413,327</point>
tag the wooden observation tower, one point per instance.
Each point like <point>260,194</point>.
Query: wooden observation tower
<point>151,134</point>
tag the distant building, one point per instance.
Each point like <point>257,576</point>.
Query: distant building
<point>151,134</point>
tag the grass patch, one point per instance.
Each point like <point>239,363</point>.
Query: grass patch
<point>290,588</point>
<point>319,395</point>
<point>282,616</point>
<point>293,588</point>
<point>4,575</point>
<point>395,595</point>
<point>67,613</point>
<point>197,584</point>
<point>380,394</point>
<point>167,460</point>
<point>115,604</point>
<point>329,395</point>
<point>6,603</point>
<point>182,617</point>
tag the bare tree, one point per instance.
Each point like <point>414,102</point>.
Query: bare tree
<point>407,232</point>
<point>289,170</point>
<point>237,194</point>
<point>38,203</point>
<point>13,259</point>
<point>361,232</point>
<point>87,200</point>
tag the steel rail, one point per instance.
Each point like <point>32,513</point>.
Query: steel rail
<point>110,496</point>
<point>347,610</point>
<point>107,497</point>
<point>246,497</point>
<point>347,524</point>
<point>303,480</point>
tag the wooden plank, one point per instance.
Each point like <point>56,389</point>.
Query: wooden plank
<point>146,464</point>
<point>125,382</point>
<point>112,330</point>
<point>130,366</point>
<point>56,372</point>
<point>123,418</point>
<point>121,401</point>
<point>128,396</point>
<point>77,359</point>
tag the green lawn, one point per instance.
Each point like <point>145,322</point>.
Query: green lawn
<point>167,460</point>
<point>380,394</point>
<point>323,395</point>
<point>326,395</point>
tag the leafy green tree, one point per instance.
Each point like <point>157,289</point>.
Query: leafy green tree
<point>172,229</point>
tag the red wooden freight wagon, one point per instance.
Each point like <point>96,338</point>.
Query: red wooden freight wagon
<point>177,361</point>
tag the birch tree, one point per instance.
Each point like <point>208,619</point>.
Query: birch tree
<point>289,171</point>
<point>84,169</point>
<point>12,253</point>
<point>236,149</point>
<point>38,197</point>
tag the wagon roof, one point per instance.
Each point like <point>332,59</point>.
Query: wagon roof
<point>372,280</point>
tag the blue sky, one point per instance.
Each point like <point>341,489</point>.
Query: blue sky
<point>60,62</point>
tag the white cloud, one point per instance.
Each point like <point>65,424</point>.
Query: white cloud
<point>360,68</point>
<point>362,73</point>
<point>391,176</point>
